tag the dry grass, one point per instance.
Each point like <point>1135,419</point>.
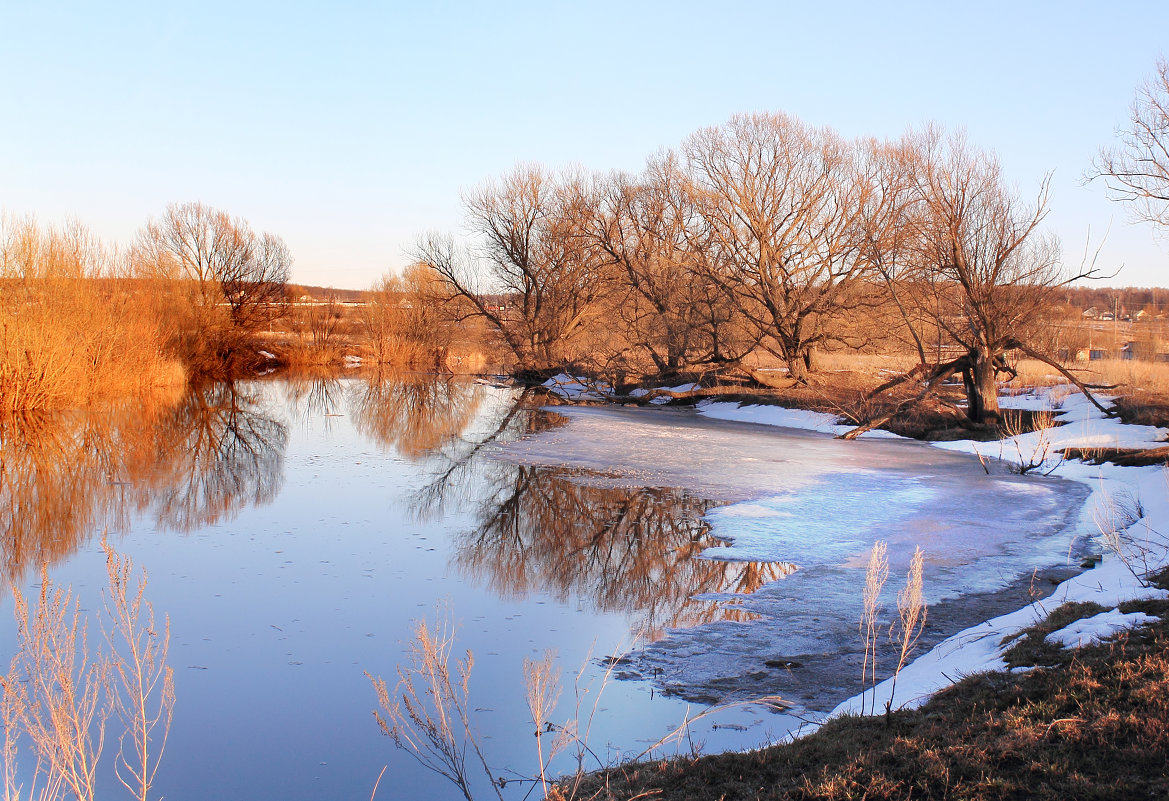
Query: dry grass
<point>1030,648</point>
<point>869,364</point>
<point>876,574</point>
<point>1140,388</point>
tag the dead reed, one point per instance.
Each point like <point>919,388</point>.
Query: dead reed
<point>876,575</point>
<point>59,694</point>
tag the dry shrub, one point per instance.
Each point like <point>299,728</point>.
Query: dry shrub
<point>60,693</point>
<point>317,334</point>
<point>405,324</point>
<point>74,328</point>
<point>428,713</point>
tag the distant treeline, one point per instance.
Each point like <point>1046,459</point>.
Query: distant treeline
<point>762,242</point>
<point>1125,300</point>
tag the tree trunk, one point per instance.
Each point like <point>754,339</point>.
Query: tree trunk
<point>797,368</point>
<point>810,360</point>
<point>982,399</point>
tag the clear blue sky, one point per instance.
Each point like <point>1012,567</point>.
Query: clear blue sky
<point>350,128</point>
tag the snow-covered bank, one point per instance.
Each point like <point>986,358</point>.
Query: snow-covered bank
<point>1130,502</point>
<point>784,417</point>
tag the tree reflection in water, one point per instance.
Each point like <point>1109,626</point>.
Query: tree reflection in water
<point>414,413</point>
<point>314,394</point>
<point>579,536</point>
<point>632,550</point>
<point>219,451</point>
<point>571,535</point>
<point>65,477</point>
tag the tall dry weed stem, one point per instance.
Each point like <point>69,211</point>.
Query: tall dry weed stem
<point>876,574</point>
<point>428,714</point>
<point>542,686</point>
<point>911,611</point>
<point>144,692</point>
<point>58,695</point>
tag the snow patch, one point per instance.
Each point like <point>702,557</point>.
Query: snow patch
<point>783,417</point>
<point>572,388</point>
<point>1091,630</point>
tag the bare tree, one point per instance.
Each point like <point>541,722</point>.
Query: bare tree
<point>649,232</point>
<point>980,267</point>
<point>781,201</point>
<point>1137,171</point>
<point>887,232</point>
<point>528,272</point>
<point>235,278</point>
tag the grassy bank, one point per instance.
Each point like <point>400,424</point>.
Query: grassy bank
<point>1091,723</point>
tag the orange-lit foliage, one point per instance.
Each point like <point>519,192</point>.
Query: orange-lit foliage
<point>75,328</point>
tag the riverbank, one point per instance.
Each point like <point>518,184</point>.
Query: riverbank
<point>1089,723</point>
<point>1129,505</point>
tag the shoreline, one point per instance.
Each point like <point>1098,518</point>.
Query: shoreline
<point>979,648</point>
<point>1109,582</point>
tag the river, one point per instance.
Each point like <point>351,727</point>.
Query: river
<point>294,531</point>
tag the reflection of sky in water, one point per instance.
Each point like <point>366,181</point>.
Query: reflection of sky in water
<point>278,609</point>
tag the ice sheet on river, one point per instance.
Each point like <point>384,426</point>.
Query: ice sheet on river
<point>820,503</point>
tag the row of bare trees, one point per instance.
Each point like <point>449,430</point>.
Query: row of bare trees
<point>763,238</point>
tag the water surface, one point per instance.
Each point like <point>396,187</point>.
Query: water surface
<point>294,530</point>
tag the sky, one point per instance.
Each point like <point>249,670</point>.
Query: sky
<point>350,129</point>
